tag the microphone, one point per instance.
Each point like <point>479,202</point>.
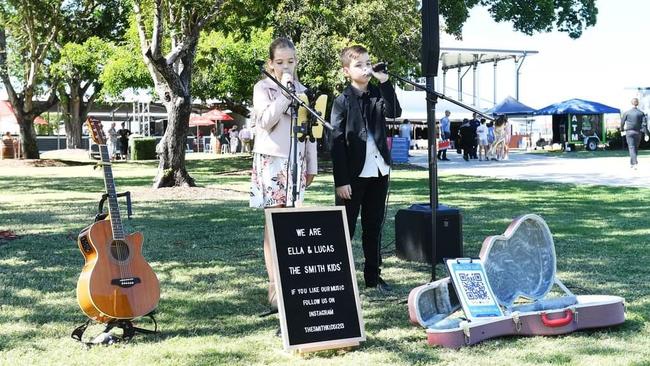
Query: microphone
<point>290,84</point>
<point>380,67</point>
<point>260,63</point>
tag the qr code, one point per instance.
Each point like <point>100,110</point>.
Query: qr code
<point>474,287</point>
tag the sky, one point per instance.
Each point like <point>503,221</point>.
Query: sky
<point>600,65</point>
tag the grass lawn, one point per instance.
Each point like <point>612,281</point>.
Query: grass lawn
<point>205,245</point>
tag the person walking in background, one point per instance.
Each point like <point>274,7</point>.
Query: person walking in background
<point>245,138</point>
<point>124,140</point>
<point>474,123</point>
<point>482,133</point>
<point>271,176</point>
<point>490,127</point>
<point>224,142</point>
<point>445,134</point>
<point>497,148</point>
<point>442,146</point>
<point>633,124</point>
<point>405,132</point>
<point>360,155</point>
<point>466,136</point>
<point>112,141</point>
<point>234,139</point>
<point>214,141</point>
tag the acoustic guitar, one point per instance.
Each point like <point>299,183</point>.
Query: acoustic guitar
<point>116,281</point>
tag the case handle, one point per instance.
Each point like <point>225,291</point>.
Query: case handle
<point>559,322</point>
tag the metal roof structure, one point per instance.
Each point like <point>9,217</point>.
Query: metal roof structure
<point>470,58</point>
<point>453,58</point>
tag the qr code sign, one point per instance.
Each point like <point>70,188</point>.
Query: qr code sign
<point>474,287</point>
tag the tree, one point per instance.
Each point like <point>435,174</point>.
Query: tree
<point>79,67</point>
<point>176,27</point>
<point>84,49</point>
<point>29,28</point>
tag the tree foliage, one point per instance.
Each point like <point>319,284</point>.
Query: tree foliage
<point>83,62</point>
<point>528,17</point>
<point>226,66</point>
<point>389,29</point>
<point>79,67</point>
<point>125,69</point>
<point>107,19</point>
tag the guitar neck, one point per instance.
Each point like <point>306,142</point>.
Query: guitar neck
<point>113,208</point>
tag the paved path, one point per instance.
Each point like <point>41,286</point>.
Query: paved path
<point>560,168</point>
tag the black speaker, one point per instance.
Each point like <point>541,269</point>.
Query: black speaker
<point>413,233</point>
<point>430,38</point>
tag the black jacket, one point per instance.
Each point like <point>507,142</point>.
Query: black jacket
<point>350,135</point>
<point>634,119</point>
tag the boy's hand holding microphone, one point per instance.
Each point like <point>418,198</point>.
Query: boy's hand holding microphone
<point>378,70</point>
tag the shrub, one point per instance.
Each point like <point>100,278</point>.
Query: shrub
<point>143,148</point>
<point>615,141</point>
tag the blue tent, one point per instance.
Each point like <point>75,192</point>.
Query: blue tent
<point>510,107</point>
<point>576,106</point>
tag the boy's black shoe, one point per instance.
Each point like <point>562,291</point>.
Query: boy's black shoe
<point>381,286</point>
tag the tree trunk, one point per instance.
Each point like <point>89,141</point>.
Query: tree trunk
<point>71,105</point>
<point>73,128</point>
<point>28,143</point>
<point>175,90</point>
<point>172,76</point>
<point>171,149</point>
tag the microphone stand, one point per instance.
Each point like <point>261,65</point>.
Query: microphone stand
<point>431,98</point>
<point>296,103</point>
<point>430,92</point>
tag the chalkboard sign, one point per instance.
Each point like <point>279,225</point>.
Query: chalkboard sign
<point>318,298</point>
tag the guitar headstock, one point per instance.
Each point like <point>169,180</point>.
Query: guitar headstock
<point>96,130</point>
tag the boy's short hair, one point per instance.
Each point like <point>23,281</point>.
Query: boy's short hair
<point>351,53</point>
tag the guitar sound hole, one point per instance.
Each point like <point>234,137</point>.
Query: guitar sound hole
<point>119,250</point>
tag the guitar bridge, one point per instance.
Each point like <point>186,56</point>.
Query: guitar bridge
<point>126,282</point>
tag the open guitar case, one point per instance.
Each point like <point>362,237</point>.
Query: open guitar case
<point>519,264</point>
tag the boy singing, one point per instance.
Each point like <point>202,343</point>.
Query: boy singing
<point>360,155</point>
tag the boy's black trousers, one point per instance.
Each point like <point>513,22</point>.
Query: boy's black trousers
<point>369,198</point>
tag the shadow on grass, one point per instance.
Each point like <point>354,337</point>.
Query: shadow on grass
<point>93,183</point>
<point>208,256</point>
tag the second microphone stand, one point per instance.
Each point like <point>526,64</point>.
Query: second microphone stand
<point>305,129</point>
